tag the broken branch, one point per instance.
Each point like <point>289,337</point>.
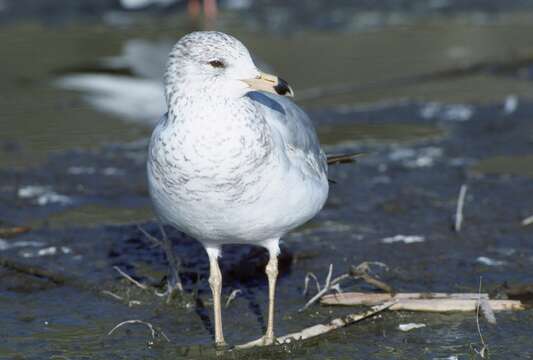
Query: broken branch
<point>321,329</point>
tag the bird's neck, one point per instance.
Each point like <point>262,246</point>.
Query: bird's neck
<point>233,123</point>
<point>209,107</point>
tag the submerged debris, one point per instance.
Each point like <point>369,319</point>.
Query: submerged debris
<point>489,262</point>
<point>410,326</point>
<point>43,195</point>
<point>449,112</point>
<point>406,239</point>
<point>527,221</point>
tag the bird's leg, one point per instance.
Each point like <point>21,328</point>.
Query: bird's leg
<point>215,282</point>
<point>173,280</point>
<point>272,274</point>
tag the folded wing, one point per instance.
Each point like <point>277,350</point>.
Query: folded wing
<point>295,129</point>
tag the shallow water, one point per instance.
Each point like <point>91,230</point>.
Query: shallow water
<point>74,172</point>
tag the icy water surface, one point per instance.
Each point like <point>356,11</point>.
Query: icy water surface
<point>432,105</point>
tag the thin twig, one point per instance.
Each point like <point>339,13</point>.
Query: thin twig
<point>324,290</point>
<point>131,303</point>
<point>321,329</point>
<point>357,272</point>
<point>155,240</point>
<point>173,264</point>
<point>130,279</point>
<point>362,270</point>
<point>339,278</point>
<point>174,281</point>
<point>113,295</point>
<point>459,210</point>
<point>232,296</point>
<point>150,326</point>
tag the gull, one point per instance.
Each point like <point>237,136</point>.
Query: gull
<point>234,160</point>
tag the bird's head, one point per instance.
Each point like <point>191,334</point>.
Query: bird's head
<point>216,63</point>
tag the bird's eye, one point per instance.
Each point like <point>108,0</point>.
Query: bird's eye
<point>216,63</point>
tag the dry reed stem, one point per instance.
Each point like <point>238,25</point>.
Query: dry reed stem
<point>361,298</point>
<point>320,329</point>
<point>429,302</point>
<point>484,348</point>
<point>460,206</point>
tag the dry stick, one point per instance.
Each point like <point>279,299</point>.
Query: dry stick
<point>321,329</point>
<point>527,221</point>
<point>325,289</point>
<point>112,294</point>
<point>361,298</point>
<point>484,348</point>
<point>150,326</point>
<point>361,272</point>
<point>459,210</point>
<point>358,272</point>
<point>453,305</point>
<point>130,279</point>
<point>172,263</point>
<point>155,240</point>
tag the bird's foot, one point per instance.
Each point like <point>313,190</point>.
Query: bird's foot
<point>221,345</point>
<point>267,340</point>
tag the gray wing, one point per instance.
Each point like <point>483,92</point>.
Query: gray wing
<point>294,126</point>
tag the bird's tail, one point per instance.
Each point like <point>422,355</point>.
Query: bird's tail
<point>343,159</point>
